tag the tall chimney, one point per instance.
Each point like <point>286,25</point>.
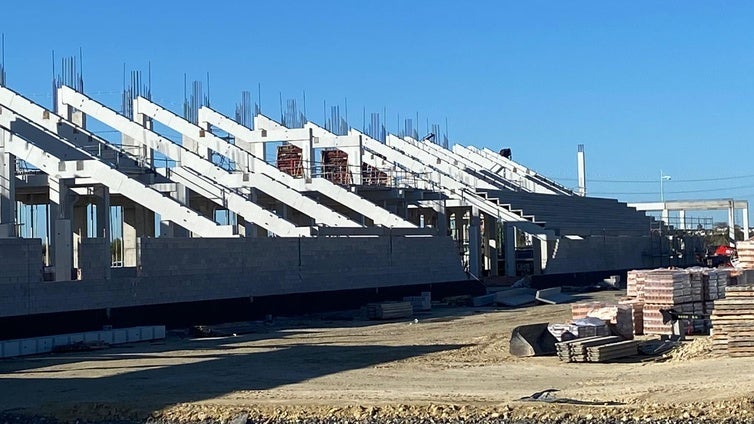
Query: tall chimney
<point>582,171</point>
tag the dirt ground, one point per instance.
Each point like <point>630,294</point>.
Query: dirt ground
<point>451,362</point>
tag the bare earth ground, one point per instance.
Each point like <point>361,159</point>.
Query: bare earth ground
<point>452,363</point>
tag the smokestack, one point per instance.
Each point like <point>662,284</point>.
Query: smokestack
<point>582,171</point>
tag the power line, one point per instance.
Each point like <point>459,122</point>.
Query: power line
<point>698,180</point>
<point>681,191</point>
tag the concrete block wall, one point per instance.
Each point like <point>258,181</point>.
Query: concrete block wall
<point>46,344</point>
<point>20,261</point>
<point>94,258</point>
<point>597,253</point>
<point>182,270</point>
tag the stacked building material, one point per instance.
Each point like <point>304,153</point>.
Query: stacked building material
<point>611,351</point>
<point>635,280</point>
<point>576,350</point>
<point>372,176</point>
<point>619,317</point>
<point>289,160</point>
<point>389,310</point>
<point>637,313</point>
<point>664,289</point>
<point>689,291</point>
<point>420,303</point>
<point>335,166</point>
<point>745,252</point>
<point>733,322</point>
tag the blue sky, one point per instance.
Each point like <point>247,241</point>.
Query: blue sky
<point>644,85</point>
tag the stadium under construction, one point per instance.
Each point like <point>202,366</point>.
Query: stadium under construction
<point>173,214</point>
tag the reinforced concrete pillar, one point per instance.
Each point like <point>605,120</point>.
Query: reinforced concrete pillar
<point>62,199</point>
<point>665,214</point>
<point>682,219</point>
<point>102,203</point>
<point>731,221</point>
<point>79,228</point>
<point>138,148</point>
<point>77,117</point>
<point>442,218</point>
<point>490,244</point>
<point>475,244</point>
<point>7,189</point>
<point>138,221</point>
<point>169,228</point>
<point>307,156</point>
<point>745,223</point>
<point>509,241</point>
<point>355,162</point>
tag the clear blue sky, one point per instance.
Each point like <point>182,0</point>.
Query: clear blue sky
<point>644,85</point>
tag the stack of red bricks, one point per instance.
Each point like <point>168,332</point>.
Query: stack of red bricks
<point>733,322</point>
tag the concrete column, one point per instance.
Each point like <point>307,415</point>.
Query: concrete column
<point>138,221</point>
<point>541,255</point>
<point>490,244</point>
<point>442,218</point>
<point>307,156</point>
<point>665,214</point>
<point>67,112</point>
<point>354,162</point>
<point>102,203</point>
<point>731,221</point>
<point>62,200</point>
<point>138,148</point>
<point>509,240</point>
<point>7,189</point>
<point>171,229</point>
<point>475,244</point>
<point>682,218</point>
<point>79,228</point>
<point>745,223</point>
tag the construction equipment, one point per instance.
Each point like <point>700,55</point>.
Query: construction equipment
<point>720,256</point>
<point>532,340</point>
<point>671,316</point>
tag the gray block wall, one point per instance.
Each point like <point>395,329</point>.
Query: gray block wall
<point>597,253</point>
<point>182,270</point>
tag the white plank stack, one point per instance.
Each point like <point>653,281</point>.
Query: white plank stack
<point>733,322</point>
<point>745,252</point>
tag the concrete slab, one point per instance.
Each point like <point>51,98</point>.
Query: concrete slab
<point>515,297</point>
<point>485,300</point>
<point>553,296</point>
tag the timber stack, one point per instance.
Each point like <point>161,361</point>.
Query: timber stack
<point>733,322</point>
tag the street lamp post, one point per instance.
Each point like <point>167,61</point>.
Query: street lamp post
<point>663,178</point>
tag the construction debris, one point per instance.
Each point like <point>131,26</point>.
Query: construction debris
<point>553,296</point>
<point>733,322</point>
<point>516,297</point>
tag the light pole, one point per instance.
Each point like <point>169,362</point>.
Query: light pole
<point>663,178</point>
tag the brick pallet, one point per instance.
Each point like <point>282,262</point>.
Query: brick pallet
<point>635,280</point>
<point>733,322</point>
<point>689,291</point>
